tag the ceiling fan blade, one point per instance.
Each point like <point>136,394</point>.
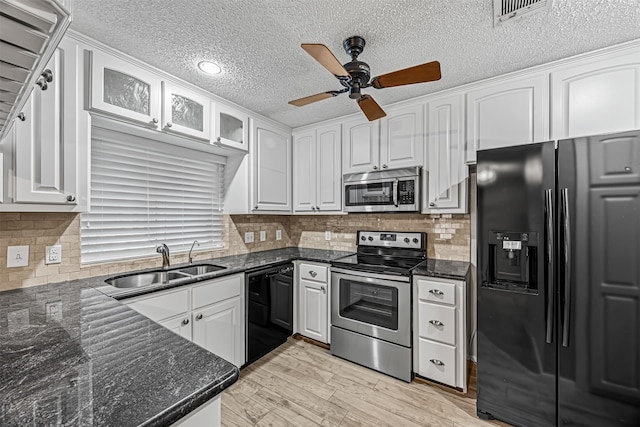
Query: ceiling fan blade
<point>313,98</point>
<point>419,74</point>
<point>370,108</point>
<point>326,58</point>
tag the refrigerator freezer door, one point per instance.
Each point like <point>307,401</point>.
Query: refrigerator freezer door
<point>599,312</point>
<point>516,364</point>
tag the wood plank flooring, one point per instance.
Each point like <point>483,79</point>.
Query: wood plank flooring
<point>300,384</point>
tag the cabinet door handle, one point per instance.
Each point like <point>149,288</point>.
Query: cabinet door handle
<point>436,292</point>
<point>313,273</point>
<point>199,316</point>
<point>185,321</point>
<point>432,205</point>
<point>437,362</point>
<point>255,207</point>
<point>318,208</point>
<point>324,291</point>
<point>375,167</point>
<point>154,121</point>
<point>22,117</point>
<point>71,198</point>
<point>169,124</point>
<point>384,166</point>
<point>436,323</point>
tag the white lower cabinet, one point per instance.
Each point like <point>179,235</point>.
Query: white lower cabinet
<point>219,328</point>
<point>209,414</point>
<point>210,313</point>
<point>313,301</point>
<point>440,330</point>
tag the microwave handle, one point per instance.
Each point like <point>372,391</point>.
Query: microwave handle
<point>395,192</point>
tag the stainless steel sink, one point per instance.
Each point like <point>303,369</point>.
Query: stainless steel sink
<point>137,280</point>
<point>200,269</point>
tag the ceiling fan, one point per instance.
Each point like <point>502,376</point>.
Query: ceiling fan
<point>354,76</point>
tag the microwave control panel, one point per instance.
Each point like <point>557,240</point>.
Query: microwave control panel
<point>406,192</point>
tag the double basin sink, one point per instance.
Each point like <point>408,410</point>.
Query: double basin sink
<point>157,277</point>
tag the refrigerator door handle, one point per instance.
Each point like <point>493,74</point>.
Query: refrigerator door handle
<point>550,288</point>
<point>566,240</point>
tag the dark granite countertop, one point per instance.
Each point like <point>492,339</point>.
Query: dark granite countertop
<point>100,363</point>
<point>443,268</point>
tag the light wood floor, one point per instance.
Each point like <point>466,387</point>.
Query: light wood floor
<point>300,384</point>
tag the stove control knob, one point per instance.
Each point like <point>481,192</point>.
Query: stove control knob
<point>363,238</point>
<point>406,240</point>
<point>415,240</point>
<point>371,238</point>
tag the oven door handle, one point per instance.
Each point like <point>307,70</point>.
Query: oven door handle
<point>369,275</point>
<point>395,192</point>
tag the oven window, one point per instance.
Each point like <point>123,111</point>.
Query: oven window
<point>369,303</point>
<point>379,193</point>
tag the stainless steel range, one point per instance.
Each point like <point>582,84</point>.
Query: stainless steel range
<point>371,301</point>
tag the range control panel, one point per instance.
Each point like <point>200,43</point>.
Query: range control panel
<point>392,239</point>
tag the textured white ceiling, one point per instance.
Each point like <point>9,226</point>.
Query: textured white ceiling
<point>257,43</point>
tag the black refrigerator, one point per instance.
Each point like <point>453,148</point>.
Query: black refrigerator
<point>559,282</point>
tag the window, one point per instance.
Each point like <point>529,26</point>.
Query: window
<point>146,192</point>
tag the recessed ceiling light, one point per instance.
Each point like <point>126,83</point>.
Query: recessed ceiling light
<point>209,67</point>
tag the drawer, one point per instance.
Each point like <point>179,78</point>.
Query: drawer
<point>437,322</point>
<point>431,290</point>
<point>317,273</point>
<point>162,305</point>
<point>216,290</point>
<point>437,361</point>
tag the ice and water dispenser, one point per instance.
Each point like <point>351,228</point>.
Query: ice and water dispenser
<point>512,261</point>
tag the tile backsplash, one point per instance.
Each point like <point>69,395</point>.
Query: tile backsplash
<point>448,238</point>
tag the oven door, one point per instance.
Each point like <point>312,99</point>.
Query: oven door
<point>372,304</point>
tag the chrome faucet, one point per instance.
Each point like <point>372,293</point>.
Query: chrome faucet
<point>194,243</point>
<point>164,250</point>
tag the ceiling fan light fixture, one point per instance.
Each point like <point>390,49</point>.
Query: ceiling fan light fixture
<point>209,67</point>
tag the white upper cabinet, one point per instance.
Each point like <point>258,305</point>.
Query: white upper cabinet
<point>360,145</point>
<point>271,155</point>
<point>121,89</point>
<point>317,173</point>
<point>185,112</point>
<point>596,95</point>
<point>402,137</point>
<point>231,127</point>
<point>51,140</point>
<point>507,112</point>
<point>446,172</point>
<point>394,141</point>
<point>124,90</point>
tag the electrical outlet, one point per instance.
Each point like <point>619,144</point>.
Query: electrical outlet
<point>54,310</point>
<point>17,256</point>
<point>278,234</point>
<point>248,237</point>
<point>327,235</point>
<point>263,236</point>
<point>53,254</point>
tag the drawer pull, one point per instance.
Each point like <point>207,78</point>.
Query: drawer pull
<point>436,323</point>
<point>185,321</point>
<point>199,316</point>
<point>313,273</point>
<point>436,292</point>
<point>437,362</point>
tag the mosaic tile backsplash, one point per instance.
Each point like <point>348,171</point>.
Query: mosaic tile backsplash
<point>448,238</point>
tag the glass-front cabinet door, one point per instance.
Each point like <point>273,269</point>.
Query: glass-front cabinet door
<point>124,90</point>
<point>231,127</point>
<point>185,112</point>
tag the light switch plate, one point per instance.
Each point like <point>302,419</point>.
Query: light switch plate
<point>17,256</point>
<point>278,234</point>
<point>248,237</point>
<point>54,310</point>
<point>263,236</point>
<point>53,254</point>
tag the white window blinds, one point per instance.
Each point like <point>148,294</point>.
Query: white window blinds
<point>146,192</point>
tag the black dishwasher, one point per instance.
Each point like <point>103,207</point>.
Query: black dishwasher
<point>269,299</point>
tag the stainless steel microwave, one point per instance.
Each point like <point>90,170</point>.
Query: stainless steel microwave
<point>393,190</point>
